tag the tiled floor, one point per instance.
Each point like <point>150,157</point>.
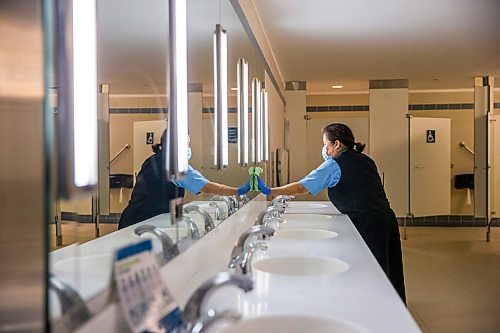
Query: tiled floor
<point>452,275</point>
<point>453,279</point>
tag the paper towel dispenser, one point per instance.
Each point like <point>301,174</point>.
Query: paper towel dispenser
<point>465,180</point>
<point>121,180</point>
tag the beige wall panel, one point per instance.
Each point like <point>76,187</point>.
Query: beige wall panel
<point>389,143</point>
<point>442,97</point>
<point>132,101</point>
<point>276,124</point>
<point>338,99</point>
<point>295,111</point>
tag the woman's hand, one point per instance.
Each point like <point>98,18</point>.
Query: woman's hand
<point>242,190</point>
<point>263,186</point>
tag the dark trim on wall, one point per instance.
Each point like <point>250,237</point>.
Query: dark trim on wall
<point>84,218</point>
<point>137,110</point>
<point>448,221</point>
<point>424,221</point>
<point>411,107</point>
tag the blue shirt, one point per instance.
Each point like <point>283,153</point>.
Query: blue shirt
<point>324,176</point>
<point>192,181</point>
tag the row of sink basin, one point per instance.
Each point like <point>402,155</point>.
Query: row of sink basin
<point>302,251</point>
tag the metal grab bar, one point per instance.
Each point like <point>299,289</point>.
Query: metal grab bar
<point>463,145</point>
<point>127,146</point>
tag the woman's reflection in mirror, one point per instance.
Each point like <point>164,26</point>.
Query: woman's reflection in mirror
<point>152,191</point>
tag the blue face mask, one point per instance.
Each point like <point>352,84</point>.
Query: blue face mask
<point>189,153</point>
<point>326,157</point>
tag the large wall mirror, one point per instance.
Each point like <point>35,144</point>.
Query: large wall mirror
<point>132,58</point>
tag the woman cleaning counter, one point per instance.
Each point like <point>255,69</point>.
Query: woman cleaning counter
<point>355,188</point>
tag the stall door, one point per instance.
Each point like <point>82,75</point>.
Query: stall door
<point>430,173</point>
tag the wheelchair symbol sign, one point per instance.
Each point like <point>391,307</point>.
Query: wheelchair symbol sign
<point>150,138</point>
<point>431,136</point>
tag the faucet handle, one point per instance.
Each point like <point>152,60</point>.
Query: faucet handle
<point>205,323</point>
<point>72,305</point>
<point>243,200</point>
<point>192,310</point>
<point>194,232</point>
<point>220,215</point>
<point>209,222</point>
<point>168,247</point>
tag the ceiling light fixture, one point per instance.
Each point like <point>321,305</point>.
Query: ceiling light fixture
<point>337,86</point>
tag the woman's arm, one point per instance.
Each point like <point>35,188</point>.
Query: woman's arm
<point>220,189</point>
<point>289,189</point>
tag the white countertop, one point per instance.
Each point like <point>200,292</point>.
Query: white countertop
<point>87,267</point>
<point>361,295</point>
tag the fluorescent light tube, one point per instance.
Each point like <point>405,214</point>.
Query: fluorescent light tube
<point>221,156</point>
<point>242,101</point>
<point>177,142</point>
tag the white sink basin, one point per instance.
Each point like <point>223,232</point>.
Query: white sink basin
<point>88,274</point>
<point>307,218</point>
<point>304,234</point>
<point>307,205</point>
<point>300,265</point>
<point>292,324</point>
<point>171,232</point>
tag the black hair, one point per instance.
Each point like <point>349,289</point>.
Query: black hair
<point>158,147</point>
<point>343,133</point>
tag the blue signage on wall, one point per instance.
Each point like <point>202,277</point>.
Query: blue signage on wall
<point>232,134</point>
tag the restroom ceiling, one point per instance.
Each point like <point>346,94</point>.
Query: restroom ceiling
<point>133,44</point>
<point>435,44</point>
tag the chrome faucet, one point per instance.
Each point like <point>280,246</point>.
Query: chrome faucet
<point>273,210</point>
<point>244,265</point>
<point>241,247</point>
<point>220,215</point>
<point>244,200</point>
<point>209,223</point>
<point>235,202</point>
<point>72,305</point>
<point>268,221</point>
<point>168,247</point>
<point>230,208</point>
<point>284,199</point>
<point>192,310</point>
<point>194,232</point>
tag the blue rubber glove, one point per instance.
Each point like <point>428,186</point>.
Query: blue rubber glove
<point>263,187</point>
<point>242,190</point>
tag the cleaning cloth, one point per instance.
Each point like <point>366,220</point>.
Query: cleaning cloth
<point>254,172</point>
